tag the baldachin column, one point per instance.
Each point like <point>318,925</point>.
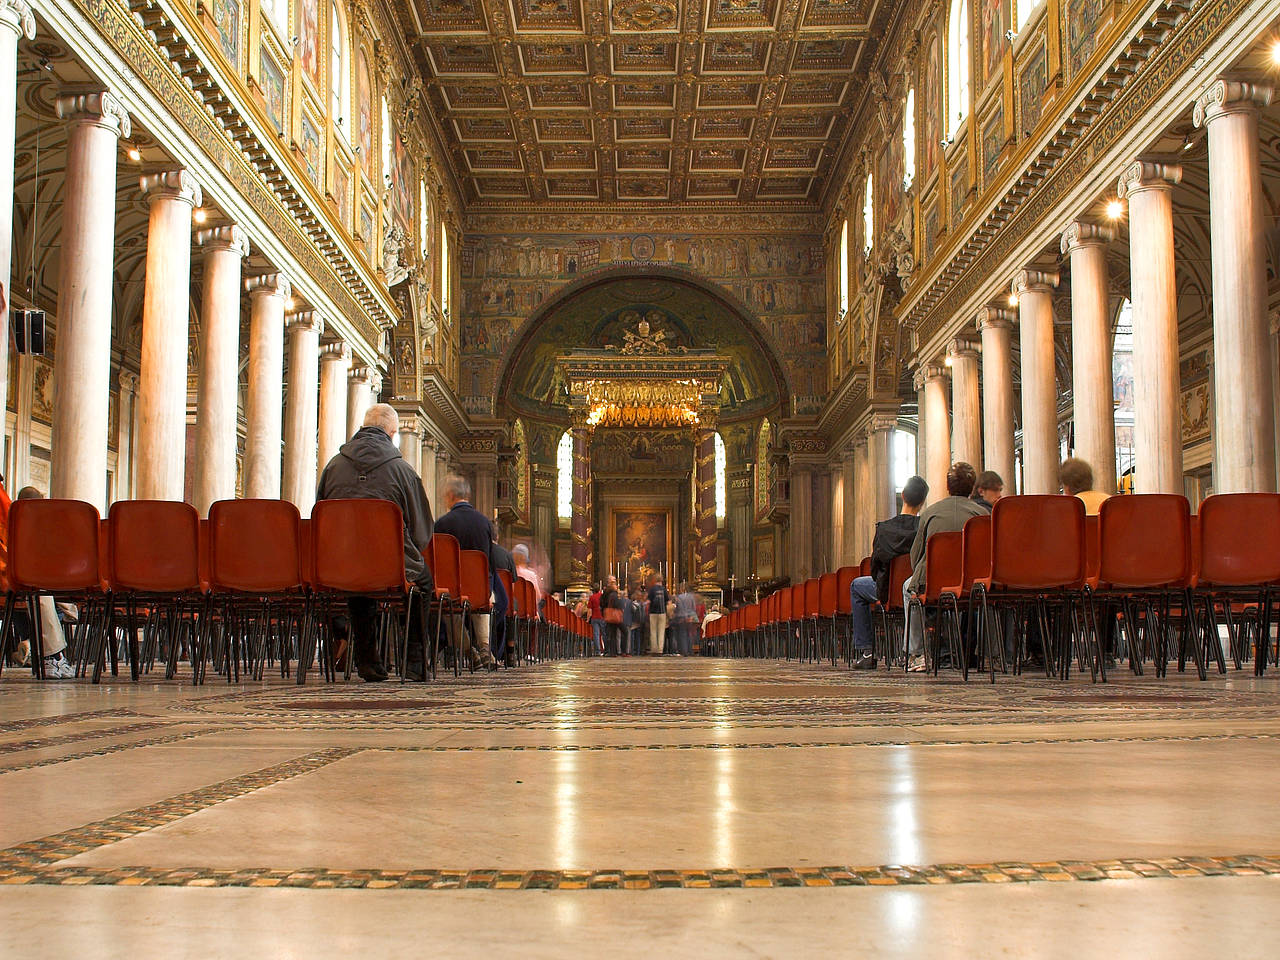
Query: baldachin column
<point>225,248</point>
<point>581,558</point>
<point>704,577</point>
<point>966,406</point>
<point>335,361</point>
<point>1092,383</point>
<point>16,16</point>
<point>304,329</point>
<point>82,360</point>
<point>162,390</point>
<point>1034,290</point>
<point>268,294</point>
<point>1243,422</point>
<point>995,325</point>
<point>1148,187</point>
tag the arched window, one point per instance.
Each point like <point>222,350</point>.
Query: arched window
<point>957,66</point>
<point>446,280</point>
<point>868,216</point>
<point>564,476</point>
<point>1024,10</point>
<point>339,73</point>
<point>909,140</point>
<point>424,221</point>
<point>722,485</point>
<point>844,268</point>
<point>276,13</point>
<point>386,144</point>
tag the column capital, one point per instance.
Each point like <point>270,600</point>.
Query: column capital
<point>304,321</point>
<point>174,184</point>
<point>269,285</point>
<point>962,348</point>
<point>1148,175</point>
<point>1033,281</point>
<point>226,236</point>
<point>409,427</point>
<point>335,350</point>
<point>1084,233</point>
<point>17,16</point>
<point>926,372</point>
<point>358,375</point>
<point>881,422</point>
<point>995,317</point>
<point>1223,97</point>
<point>128,381</point>
<point>100,107</point>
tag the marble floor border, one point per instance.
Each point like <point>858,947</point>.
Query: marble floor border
<point>104,750</point>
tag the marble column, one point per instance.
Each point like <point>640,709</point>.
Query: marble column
<point>428,471</point>
<point>225,248</point>
<point>995,325</point>
<point>1034,290</point>
<point>442,471</point>
<point>128,381</point>
<point>581,555</point>
<point>82,360</point>
<point>335,361</point>
<point>881,502</point>
<point>411,444</point>
<point>162,390</point>
<point>1239,220</point>
<point>300,413</point>
<point>359,397</point>
<point>847,548</point>
<point>931,382</point>
<point>486,488</point>
<point>966,406</point>
<point>1092,390</point>
<point>800,563</point>
<point>16,16</point>
<point>704,455</point>
<point>861,499</point>
<point>268,294</point>
<point>1148,187</point>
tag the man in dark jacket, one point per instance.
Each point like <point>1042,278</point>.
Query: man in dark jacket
<point>369,467</point>
<point>473,531</point>
<point>893,539</point>
<point>501,559</point>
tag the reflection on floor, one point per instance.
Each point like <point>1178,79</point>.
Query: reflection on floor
<point>507,807</point>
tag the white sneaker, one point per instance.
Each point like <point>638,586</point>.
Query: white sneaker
<point>916,664</point>
<point>58,668</point>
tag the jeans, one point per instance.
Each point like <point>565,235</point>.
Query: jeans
<point>862,594</point>
<point>685,629</point>
<point>597,635</point>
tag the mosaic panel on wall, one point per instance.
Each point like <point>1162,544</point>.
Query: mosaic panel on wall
<point>1081,21</point>
<point>1033,79</point>
<point>995,22</point>
<point>505,280</point>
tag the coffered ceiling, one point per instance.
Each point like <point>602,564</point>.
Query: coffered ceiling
<point>576,103</point>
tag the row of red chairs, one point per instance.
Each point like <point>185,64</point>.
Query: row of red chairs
<point>1155,572</point>
<point>255,577</point>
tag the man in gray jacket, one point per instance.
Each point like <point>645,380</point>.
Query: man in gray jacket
<point>369,467</point>
<point>949,514</point>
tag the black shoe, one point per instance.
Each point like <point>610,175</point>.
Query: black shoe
<point>865,662</point>
<point>371,672</point>
<point>415,675</point>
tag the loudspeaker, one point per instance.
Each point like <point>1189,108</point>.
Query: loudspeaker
<point>28,331</point>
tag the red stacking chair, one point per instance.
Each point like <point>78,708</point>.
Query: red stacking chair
<point>986,637</point>
<point>255,564</point>
<point>943,581</point>
<point>1239,562</point>
<point>891,610</point>
<point>827,613</point>
<point>475,584</point>
<point>153,558</point>
<point>54,548</point>
<point>355,548</point>
<point>508,581</point>
<point>844,609</point>
<point>864,568</point>
<point>445,560</point>
<point>1039,558</point>
<point>812,596</point>
<point>1144,562</point>
<point>784,621</point>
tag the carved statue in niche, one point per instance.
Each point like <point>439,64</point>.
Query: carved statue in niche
<point>393,266</point>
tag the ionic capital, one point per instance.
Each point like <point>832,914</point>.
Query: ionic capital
<point>226,237</point>
<point>175,184</point>
<point>1083,233</point>
<point>99,107</point>
<point>17,16</point>
<point>1033,281</point>
<point>994,318</point>
<point>926,372</point>
<point>358,376</point>
<point>304,321</point>
<point>1148,175</point>
<point>409,427</point>
<point>335,350</point>
<point>269,285</point>
<point>128,381</point>
<point>962,348</point>
<point>1225,97</point>
<point>881,422</point>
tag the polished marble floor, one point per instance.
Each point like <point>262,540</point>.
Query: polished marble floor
<point>642,807</point>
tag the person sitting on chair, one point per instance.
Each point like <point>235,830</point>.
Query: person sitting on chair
<point>1076,477</point>
<point>988,489</point>
<point>893,538</point>
<point>473,531</point>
